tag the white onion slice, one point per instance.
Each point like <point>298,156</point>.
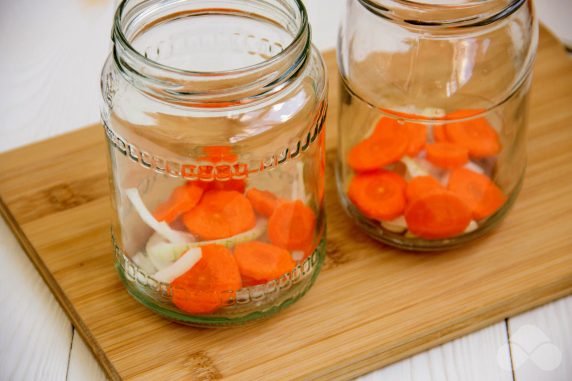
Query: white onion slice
<point>413,168</point>
<point>249,235</point>
<point>162,228</point>
<point>298,255</point>
<point>144,263</point>
<point>163,253</point>
<point>474,167</point>
<point>181,266</point>
<point>397,225</point>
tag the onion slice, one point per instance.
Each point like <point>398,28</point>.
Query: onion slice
<point>162,228</point>
<point>249,235</point>
<point>179,267</point>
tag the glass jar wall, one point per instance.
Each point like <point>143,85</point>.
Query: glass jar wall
<point>213,112</point>
<point>433,116</point>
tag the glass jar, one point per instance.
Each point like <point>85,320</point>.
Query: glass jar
<point>432,121</point>
<point>213,112</point>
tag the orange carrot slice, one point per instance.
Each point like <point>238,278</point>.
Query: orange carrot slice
<point>436,215</point>
<point>476,135</point>
<point>263,202</point>
<point>417,135</point>
<point>262,262</point>
<point>379,195</point>
<point>439,135</point>
<point>209,283</point>
<point>292,225</point>
<point>238,185</point>
<point>447,155</point>
<point>216,154</point>
<point>420,186</point>
<point>220,214</point>
<point>478,191</point>
<point>182,199</point>
<point>376,152</point>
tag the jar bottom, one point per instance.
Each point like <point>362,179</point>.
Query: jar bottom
<point>258,310</point>
<point>375,231</point>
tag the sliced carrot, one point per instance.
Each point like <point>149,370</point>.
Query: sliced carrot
<point>439,135</point>
<point>216,154</point>
<point>378,195</point>
<point>238,185</point>
<point>417,136</point>
<point>383,128</point>
<point>439,214</point>
<point>182,199</point>
<point>292,225</point>
<point>478,191</point>
<point>322,167</point>
<point>263,202</point>
<point>260,261</point>
<point>209,284</point>
<point>464,113</point>
<point>476,135</point>
<point>447,155</point>
<point>420,186</point>
<point>220,214</point>
<point>378,151</point>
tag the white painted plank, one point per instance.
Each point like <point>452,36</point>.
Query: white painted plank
<point>555,14</point>
<point>83,366</point>
<point>52,54</point>
<point>325,17</point>
<point>541,343</point>
<point>478,356</point>
<point>35,334</point>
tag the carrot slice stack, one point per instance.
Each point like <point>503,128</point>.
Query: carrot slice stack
<point>260,262</point>
<point>263,202</point>
<point>437,215</point>
<point>447,155</point>
<point>220,214</point>
<point>379,195</point>
<point>205,287</point>
<point>439,135</point>
<point>417,135</point>
<point>238,185</point>
<point>478,191</point>
<point>420,186</point>
<point>183,199</point>
<point>476,135</point>
<point>292,226</point>
<point>387,145</point>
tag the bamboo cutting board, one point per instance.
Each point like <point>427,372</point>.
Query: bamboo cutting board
<point>371,305</point>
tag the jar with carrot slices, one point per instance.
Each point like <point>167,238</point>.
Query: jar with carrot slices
<point>432,125</point>
<point>213,113</point>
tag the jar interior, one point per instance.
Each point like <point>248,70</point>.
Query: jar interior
<point>212,36</point>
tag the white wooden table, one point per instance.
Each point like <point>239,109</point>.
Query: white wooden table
<point>51,55</point>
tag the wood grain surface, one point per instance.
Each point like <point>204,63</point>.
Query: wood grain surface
<point>371,306</point>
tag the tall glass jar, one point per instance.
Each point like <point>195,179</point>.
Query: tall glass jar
<point>432,121</point>
<point>213,112</point>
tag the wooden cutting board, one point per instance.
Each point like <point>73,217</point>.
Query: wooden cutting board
<point>371,306</point>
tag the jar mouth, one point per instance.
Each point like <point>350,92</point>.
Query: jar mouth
<point>134,18</point>
<point>443,13</point>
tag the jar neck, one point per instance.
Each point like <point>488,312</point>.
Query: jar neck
<point>281,63</point>
<point>435,14</point>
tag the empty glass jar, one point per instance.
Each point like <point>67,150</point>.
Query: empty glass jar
<point>432,123</point>
<point>213,112</point>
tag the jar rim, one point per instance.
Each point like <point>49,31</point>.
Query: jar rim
<point>119,33</point>
<point>241,85</point>
<point>456,13</point>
